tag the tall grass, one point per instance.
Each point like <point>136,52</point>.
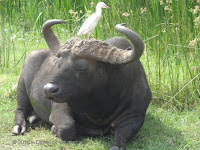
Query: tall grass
<point>170,29</point>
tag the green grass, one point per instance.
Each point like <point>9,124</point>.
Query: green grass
<point>163,129</point>
<point>171,35</point>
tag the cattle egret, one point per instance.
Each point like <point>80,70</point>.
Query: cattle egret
<point>91,22</point>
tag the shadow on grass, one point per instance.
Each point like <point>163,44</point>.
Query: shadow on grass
<point>153,135</point>
<point>156,135</point>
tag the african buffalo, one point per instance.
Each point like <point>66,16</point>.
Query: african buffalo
<point>85,87</point>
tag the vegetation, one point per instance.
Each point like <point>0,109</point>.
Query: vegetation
<point>170,29</point>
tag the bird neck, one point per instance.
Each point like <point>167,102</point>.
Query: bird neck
<point>98,11</point>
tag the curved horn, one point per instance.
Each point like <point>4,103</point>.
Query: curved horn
<point>97,50</point>
<point>134,38</point>
<point>51,39</point>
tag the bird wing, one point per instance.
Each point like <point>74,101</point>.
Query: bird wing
<point>87,25</point>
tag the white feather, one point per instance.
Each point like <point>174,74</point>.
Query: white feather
<point>91,22</point>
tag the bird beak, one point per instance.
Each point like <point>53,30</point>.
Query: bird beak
<point>107,6</point>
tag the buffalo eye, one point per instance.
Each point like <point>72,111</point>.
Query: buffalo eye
<point>81,65</point>
<point>58,55</point>
<point>63,53</point>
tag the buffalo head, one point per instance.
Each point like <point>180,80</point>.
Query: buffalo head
<point>86,66</point>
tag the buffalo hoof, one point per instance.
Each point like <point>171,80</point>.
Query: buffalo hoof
<point>18,130</point>
<point>114,148</point>
<point>64,134</point>
<point>53,129</point>
<point>34,121</point>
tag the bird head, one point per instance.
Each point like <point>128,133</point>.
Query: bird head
<point>102,5</point>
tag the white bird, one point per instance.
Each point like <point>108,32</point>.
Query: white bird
<point>91,22</point>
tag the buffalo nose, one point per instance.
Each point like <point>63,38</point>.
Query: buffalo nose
<point>50,89</point>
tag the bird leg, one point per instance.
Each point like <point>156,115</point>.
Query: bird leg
<point>90,36</point>
<point>85,36</point>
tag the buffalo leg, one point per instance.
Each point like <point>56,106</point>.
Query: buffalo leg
<point>125,131</point>
<point>64,125</point>
<point>23,109</point>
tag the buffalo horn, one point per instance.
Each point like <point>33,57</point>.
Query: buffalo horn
<point>51,39</point>
<point>97,50</point>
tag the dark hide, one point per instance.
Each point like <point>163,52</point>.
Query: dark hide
<point>78,94</point>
